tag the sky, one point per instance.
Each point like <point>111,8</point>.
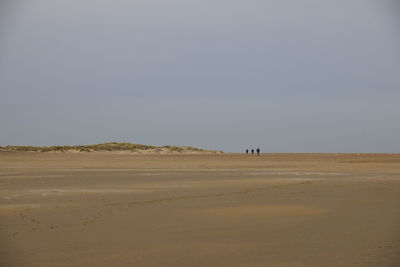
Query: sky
<point>285,76</point>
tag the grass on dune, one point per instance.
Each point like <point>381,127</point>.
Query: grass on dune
<point>110,146</point>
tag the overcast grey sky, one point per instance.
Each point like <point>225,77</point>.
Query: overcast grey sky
<point>285,76</point>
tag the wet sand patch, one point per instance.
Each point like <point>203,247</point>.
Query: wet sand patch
<point>263,210</point>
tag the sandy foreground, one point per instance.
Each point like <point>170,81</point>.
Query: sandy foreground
<point>104,209</point>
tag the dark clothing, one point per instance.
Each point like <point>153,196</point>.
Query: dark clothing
<point>258,152</point>
<point>247,151</point>
<point>252,151</point>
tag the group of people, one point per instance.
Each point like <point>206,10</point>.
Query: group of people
<point>252,151</point>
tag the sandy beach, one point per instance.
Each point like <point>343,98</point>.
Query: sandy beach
<point>110,209</point>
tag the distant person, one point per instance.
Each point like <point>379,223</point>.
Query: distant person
<point>258,152</point>
<point>247,151</point>
<point>252,151</point>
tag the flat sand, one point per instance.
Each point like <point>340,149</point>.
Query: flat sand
<point>104,209</point>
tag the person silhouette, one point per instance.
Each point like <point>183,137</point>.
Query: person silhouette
<point>247,151</point>
<point>258,152</point>
<point>252,151</point>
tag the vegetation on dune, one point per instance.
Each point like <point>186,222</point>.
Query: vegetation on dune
<point>111,146</point>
